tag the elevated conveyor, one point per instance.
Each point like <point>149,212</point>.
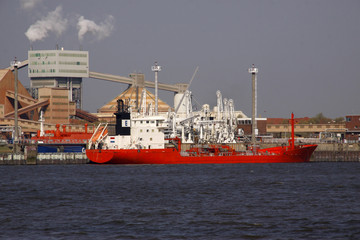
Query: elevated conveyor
<point>28,108</point>
<point>86,115</point>
<point>177,88</point>
<point>115,78</point>
<point>21,65</point>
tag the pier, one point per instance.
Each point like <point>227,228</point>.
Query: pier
<point>337,152</point>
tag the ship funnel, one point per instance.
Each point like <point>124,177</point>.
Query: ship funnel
<point>123,121</point>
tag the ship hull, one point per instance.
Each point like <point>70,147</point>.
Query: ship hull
<point>172,156</point>
<point>68,148</point>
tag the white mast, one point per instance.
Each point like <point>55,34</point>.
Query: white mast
<point>156,69</point>
<point>42,120</point>
<point>16,64</point>
<point>253,70</point>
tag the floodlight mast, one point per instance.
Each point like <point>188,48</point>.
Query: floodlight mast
<point>253,70</point>
<point>156,68</point>
<point>16,64</point>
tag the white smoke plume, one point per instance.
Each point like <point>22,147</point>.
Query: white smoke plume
<point>101,30</point>
<point>53,22</point>
<point>29,4</point>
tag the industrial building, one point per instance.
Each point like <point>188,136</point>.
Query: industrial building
<point>60,108</point>
<point>54,102</point>
<point>58,68</point>
<point>7,93</point>
<point>352,124</point>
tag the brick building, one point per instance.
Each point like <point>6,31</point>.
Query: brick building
<point>352,125</point>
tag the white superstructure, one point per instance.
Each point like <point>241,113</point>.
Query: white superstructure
<point>146,133</point>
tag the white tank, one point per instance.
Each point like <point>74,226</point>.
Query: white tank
<point>215,109</point>
<point>177,99</point>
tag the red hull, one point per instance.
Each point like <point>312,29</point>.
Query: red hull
<point>172,156</point>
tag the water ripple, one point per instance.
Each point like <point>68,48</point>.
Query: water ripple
<point>245,201</point>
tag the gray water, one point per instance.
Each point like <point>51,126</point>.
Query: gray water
<point>234,201</point>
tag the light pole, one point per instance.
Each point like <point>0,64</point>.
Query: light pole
<point>16,64</point>
<point>253,70</point>
<point>156,69</point>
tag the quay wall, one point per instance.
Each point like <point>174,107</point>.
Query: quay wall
<point>43,159</point>
<point>61,158</point>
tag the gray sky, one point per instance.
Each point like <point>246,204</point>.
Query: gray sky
<point>307,51</point>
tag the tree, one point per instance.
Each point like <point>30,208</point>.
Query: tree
<point>339,120</point>
<point>319,119</point>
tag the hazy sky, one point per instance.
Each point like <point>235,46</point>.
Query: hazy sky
<point>307,51</point>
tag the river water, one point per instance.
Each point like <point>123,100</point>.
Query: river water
<point>234,201</point>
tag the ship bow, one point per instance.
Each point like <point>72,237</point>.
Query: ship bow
<point>99,156</point>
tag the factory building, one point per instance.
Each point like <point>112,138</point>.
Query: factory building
<point>7,93</point>
<point>58,68</point>
<point>59,109</point>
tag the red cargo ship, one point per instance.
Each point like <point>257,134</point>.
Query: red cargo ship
<point>204,154</point>
<point>130,147</point>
